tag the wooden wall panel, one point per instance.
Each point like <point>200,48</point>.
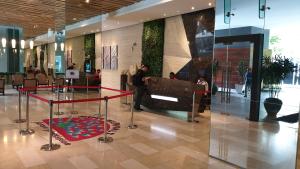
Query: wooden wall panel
<point>37,16</point>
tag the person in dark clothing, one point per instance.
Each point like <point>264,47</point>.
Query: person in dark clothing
<point>248,81</point>
<point>139,82</point>
<point>172,76</point>
<point>204,98</point>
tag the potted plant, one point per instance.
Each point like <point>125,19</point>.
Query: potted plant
<point>242,69</point>
<point>275,70</point>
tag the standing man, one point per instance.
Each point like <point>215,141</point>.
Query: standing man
<point>248,81</point>
<point>138,81</point>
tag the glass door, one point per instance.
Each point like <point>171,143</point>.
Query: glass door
<point>232,78</point>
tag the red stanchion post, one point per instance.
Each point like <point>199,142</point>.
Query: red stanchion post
<point>105,139</point>
<point>132,125</point>
<point>73,110</point>
<point>193,109</point>
<point>27,131</point>
<point>20,120</point>
<point>99,114</point>
<point>58,113</point>
<point>50,146</point>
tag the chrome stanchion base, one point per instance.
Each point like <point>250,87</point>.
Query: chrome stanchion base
<point>48,147</point>
<point>20,121</point>
<point>59,113</point>
<point>132,126</point>
<point>105,139</point>
<point>26,132</point>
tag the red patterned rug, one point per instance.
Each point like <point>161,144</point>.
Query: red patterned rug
<point>80,128</point>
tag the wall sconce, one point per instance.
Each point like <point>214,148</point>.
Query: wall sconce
<point>13,43</point>
<point>55,46</point>
<point>22,44</point>
<point>31,44</point>
<point>62,46</point>
<point>3,41</point>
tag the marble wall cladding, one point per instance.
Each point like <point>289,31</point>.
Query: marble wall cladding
<point>127,53</point>
<point>199,28</point>
<point>98,50</point>
<point>51,55</point>
<point>176,50</point>
<point>77,46</point>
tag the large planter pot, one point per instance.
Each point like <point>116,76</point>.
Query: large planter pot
<point>272,106</point>
<point>239,88</point>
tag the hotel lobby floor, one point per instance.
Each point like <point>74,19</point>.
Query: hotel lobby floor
<point>159,143</point>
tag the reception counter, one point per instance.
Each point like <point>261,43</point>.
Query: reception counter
<point>168,95</point>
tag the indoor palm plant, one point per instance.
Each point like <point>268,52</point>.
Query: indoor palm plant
<point>275,70</point>
<point>242,69</point>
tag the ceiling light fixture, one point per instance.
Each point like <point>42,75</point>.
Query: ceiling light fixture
<point>210,4</point>
<point>87,1</point>
<point>3,41</point>
<point>22,44</point>
<point>193,8</point>
<point>31,44</point>
<point>165,14</point>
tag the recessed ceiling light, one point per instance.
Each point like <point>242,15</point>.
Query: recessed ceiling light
<point>74,19</point>
<point>165,14</point>
<point>210,4</point>
<point>193,8</point>
<point>87,1</point>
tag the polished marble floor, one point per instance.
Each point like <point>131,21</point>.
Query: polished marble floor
<point>159,142</point>
<point>263,145</point>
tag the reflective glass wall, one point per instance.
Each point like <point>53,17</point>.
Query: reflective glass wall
<point>254,121</point>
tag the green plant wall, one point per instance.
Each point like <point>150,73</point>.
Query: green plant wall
<point>153,46</point>
<point>89,48</point>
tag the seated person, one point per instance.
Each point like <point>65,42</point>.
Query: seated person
<point>172,76</point>
<point>97,77</point>
<point>203,82</point>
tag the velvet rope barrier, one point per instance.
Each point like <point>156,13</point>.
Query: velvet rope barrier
<point>39,98</point>
<point>124,93</point>
<point>75,87</point>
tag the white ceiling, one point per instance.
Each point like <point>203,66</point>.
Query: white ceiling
<point>137,13</point>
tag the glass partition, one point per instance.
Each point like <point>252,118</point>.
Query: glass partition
<point>242,133</point>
